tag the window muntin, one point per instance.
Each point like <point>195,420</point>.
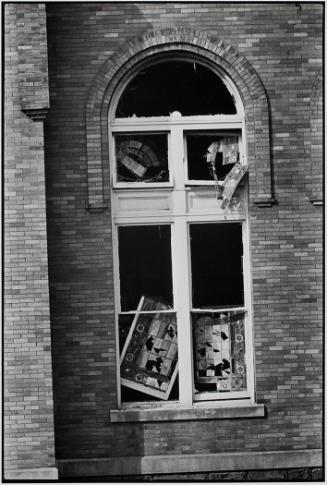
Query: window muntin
<point>180,193</point>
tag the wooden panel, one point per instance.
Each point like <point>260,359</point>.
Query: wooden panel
<point>141,202</point>
<point>201,200</point>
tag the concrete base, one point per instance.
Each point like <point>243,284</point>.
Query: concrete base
<point>189,463</point>
<point>32,474</point>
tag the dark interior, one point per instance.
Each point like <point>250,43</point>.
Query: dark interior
<point>144,264</point>
<point>216,262</point>
<point>187,87</point>
<point>197,146</point>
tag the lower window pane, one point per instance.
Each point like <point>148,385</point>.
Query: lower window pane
<point>149,354</point>
<point>219,352</point>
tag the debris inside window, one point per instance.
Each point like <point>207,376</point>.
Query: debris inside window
<point>219,352</point>
<point>221,154</point>
<point>230,183</point>
<point>211,154</point>
<point>149,357</point>
<point>188,87</point>
<point>216,264</point>
<point>144,264</point>
<point>141,158</point>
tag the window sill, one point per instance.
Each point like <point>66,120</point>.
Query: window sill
<point>197,412</point>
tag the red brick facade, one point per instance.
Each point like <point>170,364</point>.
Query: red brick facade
<point>273,52</point>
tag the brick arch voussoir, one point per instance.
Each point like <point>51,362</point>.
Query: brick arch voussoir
<point>236,66</point>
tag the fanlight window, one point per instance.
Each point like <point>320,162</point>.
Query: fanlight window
<point>179,205</point>
<point>187,87</point>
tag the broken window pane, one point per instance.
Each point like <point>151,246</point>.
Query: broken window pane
<point>144,264</point>
<point>219,352</point>
<point>209,151</point>
<point>141,158</point>
<point>187,87</point>
<point>148,349</point>
<point>216,262</point>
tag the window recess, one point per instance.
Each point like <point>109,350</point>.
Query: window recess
<point>181,244</point>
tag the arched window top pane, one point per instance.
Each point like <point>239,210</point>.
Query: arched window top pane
<point>187,87</point>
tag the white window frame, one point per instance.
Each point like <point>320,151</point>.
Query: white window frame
<point>179,219</point>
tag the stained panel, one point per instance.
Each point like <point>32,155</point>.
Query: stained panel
<point>150,354</point>
<point>219,352</point>
<point>141,158</point>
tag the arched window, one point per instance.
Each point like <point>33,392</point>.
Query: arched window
<point>179,209</point>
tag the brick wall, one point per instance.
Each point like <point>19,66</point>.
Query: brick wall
<point>28,401</point>
<point>283,43</point>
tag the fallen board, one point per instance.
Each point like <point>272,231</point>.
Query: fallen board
<point>148,361</point>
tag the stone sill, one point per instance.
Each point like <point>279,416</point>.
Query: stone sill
<point>239,410</point>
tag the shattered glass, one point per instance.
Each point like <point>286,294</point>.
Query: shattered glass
<point>219,352</point>
<point>141,158</point>
<point>211,151</point>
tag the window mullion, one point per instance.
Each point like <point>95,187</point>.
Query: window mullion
<point>180,260</point>
<point>182,305</point>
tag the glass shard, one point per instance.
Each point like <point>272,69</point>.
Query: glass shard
<point>207,151</point>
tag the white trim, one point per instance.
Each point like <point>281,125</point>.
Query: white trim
<point>180,259</point>
<point>153,125</point>
<point>116,303</point>
<point>248,323</point>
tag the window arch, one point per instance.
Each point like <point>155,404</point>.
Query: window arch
<point>180,85</point>
<point>212,52</point>
<point>179,212</point>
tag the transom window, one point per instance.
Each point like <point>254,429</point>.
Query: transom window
<point>179,209</point>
